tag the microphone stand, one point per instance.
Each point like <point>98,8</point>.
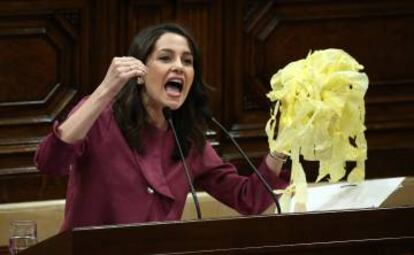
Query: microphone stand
<point>259,175</point>
<point>167,114</point>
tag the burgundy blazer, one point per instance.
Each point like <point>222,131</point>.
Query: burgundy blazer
<point>111,184</point>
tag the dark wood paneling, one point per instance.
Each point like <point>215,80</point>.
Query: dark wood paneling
<point>379,34</point>
<point>276,34</point>
<point>204,19</point>
<point>103,37</point>
<point>42,62</point>
<point>54,52</point>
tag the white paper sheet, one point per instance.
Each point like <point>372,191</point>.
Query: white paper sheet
<point>340,196</point>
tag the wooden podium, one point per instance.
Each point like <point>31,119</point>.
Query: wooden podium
<point>372,231</point>
<point>387,230</point>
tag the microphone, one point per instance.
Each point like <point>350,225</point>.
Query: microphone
<point>167,114</point>
<point>206,112</point>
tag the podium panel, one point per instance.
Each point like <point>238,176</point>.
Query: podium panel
<point>385,230</point>
<point>369,231</point>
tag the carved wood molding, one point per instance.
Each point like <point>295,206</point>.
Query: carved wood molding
<point>40,77</point>
<point>278,32</point>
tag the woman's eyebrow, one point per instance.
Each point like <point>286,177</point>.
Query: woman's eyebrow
<point>172,51</point>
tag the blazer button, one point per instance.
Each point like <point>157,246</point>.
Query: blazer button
<point>150,190</point>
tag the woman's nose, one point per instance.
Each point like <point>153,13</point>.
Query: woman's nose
<point>177,66</point>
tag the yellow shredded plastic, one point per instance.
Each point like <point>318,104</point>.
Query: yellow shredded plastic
<point>320,100</point>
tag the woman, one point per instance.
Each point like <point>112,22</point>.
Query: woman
<point>120,154</point>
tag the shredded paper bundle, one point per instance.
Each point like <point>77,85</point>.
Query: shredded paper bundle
<point>320,102</point>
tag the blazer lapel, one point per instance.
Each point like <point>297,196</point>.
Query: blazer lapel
<point>150,168</point>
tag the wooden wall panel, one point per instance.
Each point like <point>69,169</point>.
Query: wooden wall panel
<point>40,62</point>
<point>54,52</point>
<point>141,14</point>
<point>277,34</point>
<point>204,20</point>
<point>379,34</point>
<point>103,37</point>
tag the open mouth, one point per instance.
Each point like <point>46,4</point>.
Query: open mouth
<point>174,87</point>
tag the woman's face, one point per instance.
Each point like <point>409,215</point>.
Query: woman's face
<point>170,73</point>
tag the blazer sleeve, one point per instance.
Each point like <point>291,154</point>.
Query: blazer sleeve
<point>54,156</point>
<point>246,194</point>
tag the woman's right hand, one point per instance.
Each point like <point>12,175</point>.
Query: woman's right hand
<point>120,71</point>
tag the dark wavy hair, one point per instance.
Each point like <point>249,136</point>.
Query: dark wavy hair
<point>128,107</point>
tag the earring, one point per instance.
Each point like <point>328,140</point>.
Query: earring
<point>140,80</point>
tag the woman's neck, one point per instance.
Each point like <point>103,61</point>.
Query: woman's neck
<point>157,119</point>
<point>155,116</point>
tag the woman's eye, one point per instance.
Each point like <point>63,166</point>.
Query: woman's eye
<point>188,61</point>
<point>164,58</point>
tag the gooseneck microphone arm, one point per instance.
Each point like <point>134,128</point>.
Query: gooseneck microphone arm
<point>209,116</point>
<point>167,114</point>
